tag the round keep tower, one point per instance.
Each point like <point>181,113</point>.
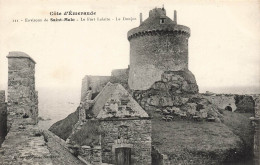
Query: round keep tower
<point>159,44</point>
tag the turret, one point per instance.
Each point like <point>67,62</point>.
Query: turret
<point>22,96</point>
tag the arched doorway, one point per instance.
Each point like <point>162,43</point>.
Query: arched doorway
<point>228,108</point>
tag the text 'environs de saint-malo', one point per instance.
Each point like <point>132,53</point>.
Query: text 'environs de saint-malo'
<point>72,16</point>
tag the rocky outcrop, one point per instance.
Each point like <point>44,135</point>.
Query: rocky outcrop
<point>63,128</point>
<point>176,95</point>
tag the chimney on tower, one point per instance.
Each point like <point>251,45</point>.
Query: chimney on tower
<point>141,18</point>
<point>175,16</point>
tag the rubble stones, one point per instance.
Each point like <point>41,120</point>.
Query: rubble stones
<point>160,99</point>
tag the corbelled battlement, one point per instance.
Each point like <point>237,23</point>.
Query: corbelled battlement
<point>180,29</point>
<point>158,23</point>
<point>157,12</point>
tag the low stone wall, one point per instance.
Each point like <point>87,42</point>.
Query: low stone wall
<point>49,134</point>
<point>232,102</point>
<point>227,102</point>
<point>86,154</point>
<point>61,153</point>
<point>24,144</point>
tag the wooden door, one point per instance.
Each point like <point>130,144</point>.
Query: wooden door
<point>123,156</point>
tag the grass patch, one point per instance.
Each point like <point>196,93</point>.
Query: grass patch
<point>189,142</point>
<point>89,134</point>
<point>240,125</point>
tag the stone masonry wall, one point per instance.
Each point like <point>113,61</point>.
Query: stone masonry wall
<point>238,103</point>
<point>222,101</point>
<point>3,117</point>
<point>2,96</point>
<point>135,132</point>
<point>257,106</point>
<point>150,55</point>
<point>245,103</point>
<point>96,83</point>
<point>256,124</point>
<point>120,76</point>
<point>22,97</point>
<point>92,155</point>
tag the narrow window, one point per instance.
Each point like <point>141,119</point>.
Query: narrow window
<point>162,20</point>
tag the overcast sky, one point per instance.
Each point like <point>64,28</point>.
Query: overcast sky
<point>224,47</point>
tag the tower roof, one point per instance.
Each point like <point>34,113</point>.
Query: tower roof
<point>17,54</point>
<point>157,21</point>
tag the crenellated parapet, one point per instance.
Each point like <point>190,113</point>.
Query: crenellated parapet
<point>175,30</point>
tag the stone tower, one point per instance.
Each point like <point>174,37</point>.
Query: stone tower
<point>22,98</point>
<point>159,44</point>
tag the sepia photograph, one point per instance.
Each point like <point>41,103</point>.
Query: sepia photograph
<point>120,82</point>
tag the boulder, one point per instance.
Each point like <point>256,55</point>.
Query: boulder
<point>176,100</point>
<point>165,101</point>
